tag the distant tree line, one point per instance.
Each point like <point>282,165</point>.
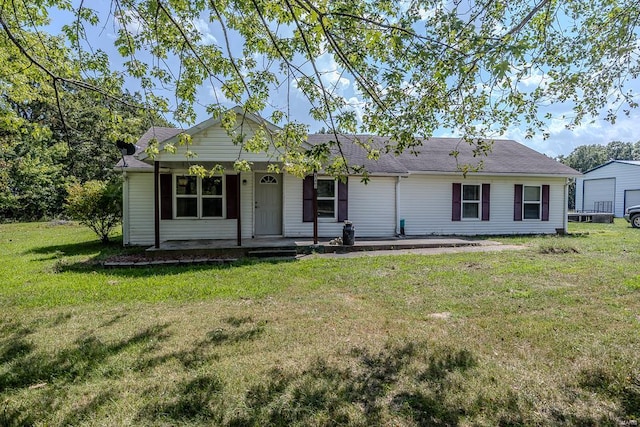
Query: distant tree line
<point>586,157</point>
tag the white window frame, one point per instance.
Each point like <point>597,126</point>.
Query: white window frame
<point>478,202</point>
<point>334,198</point>
<point>532,202</point>
<point>198,196</point>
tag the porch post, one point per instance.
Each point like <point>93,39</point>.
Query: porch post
<point>156,200</point>
<point>315,208</point>
<point>238,221</point>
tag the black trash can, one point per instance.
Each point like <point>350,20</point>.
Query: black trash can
<point>348,234</point>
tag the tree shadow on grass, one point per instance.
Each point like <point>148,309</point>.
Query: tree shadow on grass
<point>83,248</point>
<point>75,363</point>
<point>374,389</point>
<point>240,329</point>
<point>50,374</point>
<point>369,390</point>
<point>400,385</point>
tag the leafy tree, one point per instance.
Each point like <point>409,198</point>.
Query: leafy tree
<point>53,131</point>
<point>96,204</point>
<point>416,66</point>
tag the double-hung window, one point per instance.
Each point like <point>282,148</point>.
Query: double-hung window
<point>199,197</point>
<point>471,201</point>
<point>327,198</point>
<point>531,202</point>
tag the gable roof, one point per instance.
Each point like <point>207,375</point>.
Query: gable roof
<point>160,133</point>
<point>209,123</point>
<point>507,157</point>
<point>625,162</point>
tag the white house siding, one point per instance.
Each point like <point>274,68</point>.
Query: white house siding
<point>141,216</point>
<point>627,177</point>
<point>214,145</point>
<point>426,202</point>
<point>371,209</point>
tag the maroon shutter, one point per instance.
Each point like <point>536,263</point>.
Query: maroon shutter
<point>166,196</point>
<point>545,203</point>
<point>343,200</point>
<point>486,197</point>
<point>307,199</point>
<point>456,202</point>
<point>517,202</point>
<point>231,189</point>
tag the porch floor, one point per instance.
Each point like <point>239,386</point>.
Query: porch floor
<point>305,245</point>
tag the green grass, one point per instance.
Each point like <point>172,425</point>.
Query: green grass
<point>548,335</point>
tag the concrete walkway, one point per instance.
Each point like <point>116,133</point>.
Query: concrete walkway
<point>487,246</point>
<point>193,252</point>
<point>287,247</point>
<point>307,246</point>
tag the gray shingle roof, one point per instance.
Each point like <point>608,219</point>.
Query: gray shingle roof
<point>434,155</point>
<point>160,133</point>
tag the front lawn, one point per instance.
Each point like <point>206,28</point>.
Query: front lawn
<point>545,335</point>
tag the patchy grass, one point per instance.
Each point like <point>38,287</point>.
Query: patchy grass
<point>547,335</point>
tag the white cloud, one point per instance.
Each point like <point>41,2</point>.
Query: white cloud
<point>130,21</point>
<point>330,74</point>
<point>216,95</point>
<point>563,141</point>
<point>202,27</point>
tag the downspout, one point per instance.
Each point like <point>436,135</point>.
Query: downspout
<point>397,218</point>
<point>156,204</point>
<point>125,209</point>
<point>315,208</point>
<point>565,220</point>
<point>238,204</point>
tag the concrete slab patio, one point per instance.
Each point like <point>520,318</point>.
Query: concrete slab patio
<point>193,252</point>
<point>302,246</point>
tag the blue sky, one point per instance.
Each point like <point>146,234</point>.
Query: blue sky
<point>560,139</point>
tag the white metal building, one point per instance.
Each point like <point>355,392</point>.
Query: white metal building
<point>610,187</point>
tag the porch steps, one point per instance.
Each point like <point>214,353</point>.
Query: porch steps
<point>273,253</point>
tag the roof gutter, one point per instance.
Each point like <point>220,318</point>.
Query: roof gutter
<point>506,174</point>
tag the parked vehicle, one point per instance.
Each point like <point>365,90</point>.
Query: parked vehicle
<point>632,215</point>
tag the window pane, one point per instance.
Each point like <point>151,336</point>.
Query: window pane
<point>186,207</point>
<point>470,210</point>
<point>212,207</point>
<point>326,209</point>
<point>326,188</point>
<point>471,192</point>
<point>531,194</point>
<point>187,185</point>
<point>212,186</point>
<point>531,211</point>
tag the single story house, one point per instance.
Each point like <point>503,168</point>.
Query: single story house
<point>611,187</point>
<point>518,191</point>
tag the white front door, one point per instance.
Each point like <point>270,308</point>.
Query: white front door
<point>268,204</point>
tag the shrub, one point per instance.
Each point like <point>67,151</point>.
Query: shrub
<point>96,204</point>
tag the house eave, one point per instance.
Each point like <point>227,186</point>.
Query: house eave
<point>507,174</point>
<point>132,169</point>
